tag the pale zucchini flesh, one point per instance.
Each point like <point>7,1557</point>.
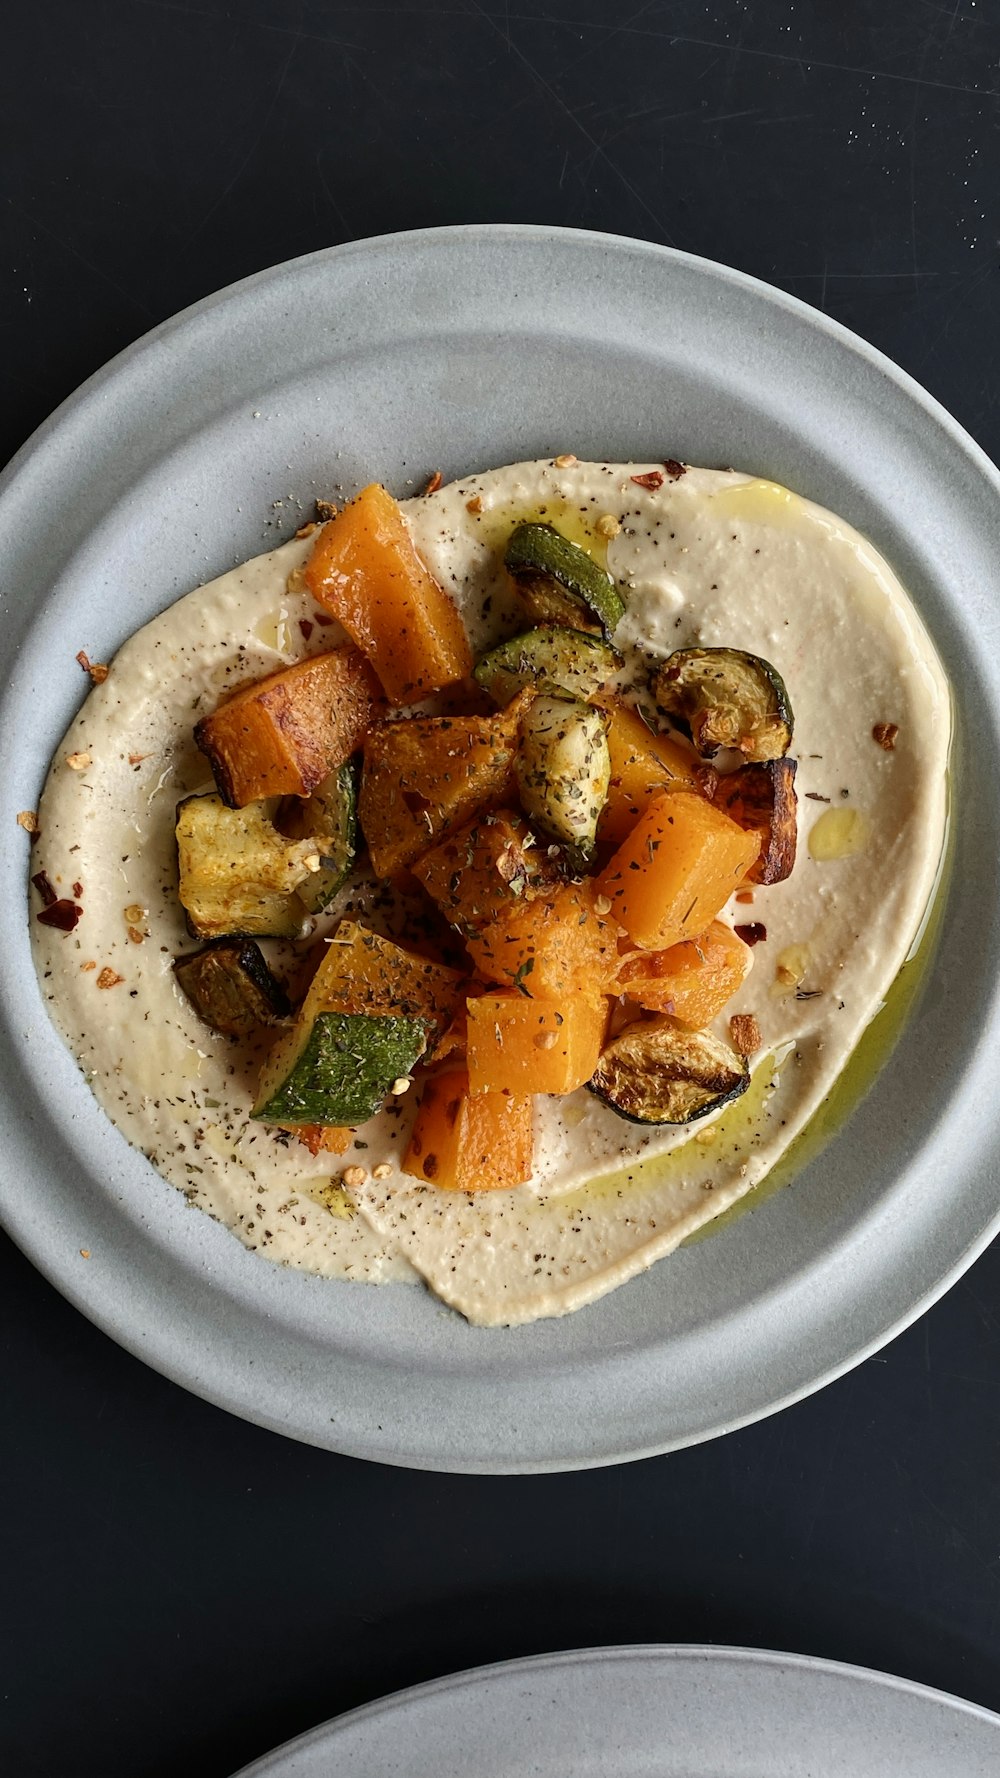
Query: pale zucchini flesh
<point>563,770</point>
<point>329,817</point>
<point>657,1073</point>
<point>726,698</point>
<point>236,873</point>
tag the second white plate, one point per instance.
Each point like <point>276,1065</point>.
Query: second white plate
<point>666,1712</point>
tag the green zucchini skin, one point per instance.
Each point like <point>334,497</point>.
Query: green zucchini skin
<point>655,1073</point>
<point>338,1070</point>
<point>558,582</point>
<point>231,988</point>
<point>552,659</point>
<point>563,770</point>
<point>727,698</point>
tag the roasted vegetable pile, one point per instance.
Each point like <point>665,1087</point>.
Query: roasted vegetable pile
<point>574,846</point>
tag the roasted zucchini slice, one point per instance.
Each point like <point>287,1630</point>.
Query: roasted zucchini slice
<point>655,1073</point>
<point>762,799</point>
<point>329,818</point>
<point>237,873</point>
<point>726,698</point>
<point>563,770</point>
<point>336,1068</point>
<point>552,660</point>
<point>231,988</point>
<point>559,583</point>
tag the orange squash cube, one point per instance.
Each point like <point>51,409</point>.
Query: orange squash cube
<point>551,948</point>
<point>676,869</point>
<point>470,1142</point>
<point>425,775</point>
<point>362,972</point>
<point>642,765</point>
<point>483,870</point>
<point>519,1045</point>
<point>283,735</point>
<point>692,980</point>
<point>365,570</point>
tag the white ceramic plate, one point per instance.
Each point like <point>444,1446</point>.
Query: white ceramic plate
<point>669,1712</point>
<point>457,349</point>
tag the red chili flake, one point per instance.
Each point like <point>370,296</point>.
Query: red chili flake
<point>44,888</point>
<point>63,915</point>
<point>652,479</point>
<point>674,469</point>
<point>97,670</point>
<point>78,890</point>
<point>753,933</point>
<point>324,618</point>
<point>745,1033</point>
<point>306,627</point>
<point>885,734</point>
<point>434,483</point>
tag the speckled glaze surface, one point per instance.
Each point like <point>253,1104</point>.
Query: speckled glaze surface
<point>457,349</point>
<point>686,1712</point>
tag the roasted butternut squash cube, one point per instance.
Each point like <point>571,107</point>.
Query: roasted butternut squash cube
<point>362,972</point>
<point>550,948</point>
<point>676,869</point>
<point>761,798</point>
<point>519,1045</point>
<point>693,980</point>
<point>285,734</point>
<point>485,869</point>
<point>470,1142</point>
<point>365,570</point>
<point>424,776</point>
<point>642,765</point>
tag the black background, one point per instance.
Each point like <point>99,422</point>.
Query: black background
<point>179,1591</point>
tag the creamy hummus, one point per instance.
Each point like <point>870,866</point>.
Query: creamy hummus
<point>711,558</point>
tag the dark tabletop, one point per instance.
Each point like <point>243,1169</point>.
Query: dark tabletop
<point>179,1591</point>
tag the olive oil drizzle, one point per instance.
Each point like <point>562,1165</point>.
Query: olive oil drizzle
<point>864,1064</point>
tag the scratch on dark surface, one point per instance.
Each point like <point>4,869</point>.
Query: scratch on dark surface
<point>328,194</point>
<point>913,155</point>
<point>254,145</point>
<point>859,277</point>
<point>599,150</point>
<point>958,305</point>
<point>70,247</point>
<point>774,55</point>
<point>990,1320</point>
<point>987,1557</point>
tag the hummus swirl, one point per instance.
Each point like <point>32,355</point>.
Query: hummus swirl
<point>712,558</point>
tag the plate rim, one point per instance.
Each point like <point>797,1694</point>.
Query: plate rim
<point>63,1275</point>
<point>666,1654</point>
